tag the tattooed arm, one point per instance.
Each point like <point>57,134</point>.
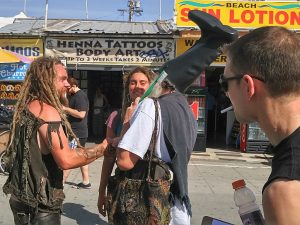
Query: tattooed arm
<point>52,140</point>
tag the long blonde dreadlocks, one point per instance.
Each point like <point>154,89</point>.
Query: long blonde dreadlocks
<point>39,85</point>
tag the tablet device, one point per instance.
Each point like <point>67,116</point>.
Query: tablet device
<point>207,220</point>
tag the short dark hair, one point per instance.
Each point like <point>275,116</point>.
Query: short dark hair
<point>166,84</point>
<point>72,81</point>
<point>271,53</point>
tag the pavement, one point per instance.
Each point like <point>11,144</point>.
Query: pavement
<point>210,176</point>
<point>227,154</point>
<point>232,155</point>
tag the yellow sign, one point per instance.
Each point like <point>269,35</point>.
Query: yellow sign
<point>183,44</point>
<point>31,48</point>
<point>247,15</point>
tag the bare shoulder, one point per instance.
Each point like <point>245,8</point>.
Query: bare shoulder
<point>282,187</point>
<point>280,195</point>
<point>44,111</point>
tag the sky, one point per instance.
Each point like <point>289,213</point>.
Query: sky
<point>97,9</point>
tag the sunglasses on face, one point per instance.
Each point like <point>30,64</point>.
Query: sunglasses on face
<point>223,81</point>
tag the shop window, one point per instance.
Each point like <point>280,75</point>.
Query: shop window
<point>9,93</point>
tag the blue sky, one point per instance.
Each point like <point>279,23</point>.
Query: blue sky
<point>97,9</point>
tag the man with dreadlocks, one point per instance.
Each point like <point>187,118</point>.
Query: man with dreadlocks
<point>38,149</point>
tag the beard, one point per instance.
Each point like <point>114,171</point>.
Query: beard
<point>60,92</point>
<point>157,91</point>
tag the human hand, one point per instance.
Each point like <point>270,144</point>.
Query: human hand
<point>130,110</point>
<point>105,142</point>
<point>101,204</point>
<point>105,146</point>
<point>111,148</point>
<point>113,141</point>
<point>110,152</point>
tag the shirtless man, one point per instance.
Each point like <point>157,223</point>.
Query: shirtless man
<point>38,149</point>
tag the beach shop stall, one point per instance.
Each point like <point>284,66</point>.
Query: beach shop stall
<point>13,68</point>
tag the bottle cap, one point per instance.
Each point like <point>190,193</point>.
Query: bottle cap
<point>238,184</point>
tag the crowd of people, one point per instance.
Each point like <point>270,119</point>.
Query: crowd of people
<point>261,79</point>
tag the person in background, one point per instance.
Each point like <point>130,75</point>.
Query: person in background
<point>38,149</point>
<point>77,115</point>
<point>177,132</point>
<point>100,103</point>
<point>262,80</point>
<point>100,99</point>
<point>135,83</point>
<point>64,97</point>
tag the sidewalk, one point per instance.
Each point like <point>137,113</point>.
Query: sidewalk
<point>210,176</point>
<point>229,154</point>
<point>232,155</point>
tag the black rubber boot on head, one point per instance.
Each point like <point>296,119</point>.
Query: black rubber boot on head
<point>184,69</point>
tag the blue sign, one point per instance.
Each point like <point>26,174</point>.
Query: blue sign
<point>13,71</point>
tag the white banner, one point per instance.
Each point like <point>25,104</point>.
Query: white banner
<point>108,51</point>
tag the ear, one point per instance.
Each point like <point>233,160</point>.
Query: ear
<point>250,85</point>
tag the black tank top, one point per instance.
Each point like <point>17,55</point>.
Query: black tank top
<point>286,160</point>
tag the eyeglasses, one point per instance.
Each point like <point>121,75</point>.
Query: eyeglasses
<point>223,81</point>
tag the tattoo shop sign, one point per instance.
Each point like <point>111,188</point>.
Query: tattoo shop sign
<point>108,51</point>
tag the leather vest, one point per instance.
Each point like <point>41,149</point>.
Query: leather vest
<point>34,178</point>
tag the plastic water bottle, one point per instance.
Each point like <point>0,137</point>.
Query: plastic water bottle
<point>245,199</point>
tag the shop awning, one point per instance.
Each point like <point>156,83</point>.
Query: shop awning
<point>13,66</point>
<point>13,71</point>
<point>12,57</point>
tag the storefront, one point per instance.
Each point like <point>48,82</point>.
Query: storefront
<point>211,99</point>
<point>12,72</point>
<point>97,53</point>
<point>99,62</point>
<point>221,128</point>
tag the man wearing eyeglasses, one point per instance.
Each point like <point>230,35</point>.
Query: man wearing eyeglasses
<point>262,80</point>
